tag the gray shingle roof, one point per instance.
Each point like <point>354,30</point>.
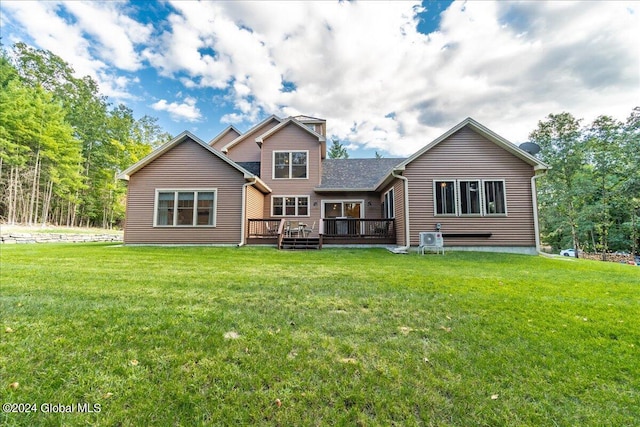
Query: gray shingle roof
<point>253,167</point>
<point>355,174</point>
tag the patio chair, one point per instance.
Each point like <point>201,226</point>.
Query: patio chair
<point>271,231</point>
<point>293,228</point>
<point>306,231</point>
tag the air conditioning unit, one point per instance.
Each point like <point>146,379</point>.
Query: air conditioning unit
<point>431,240</point>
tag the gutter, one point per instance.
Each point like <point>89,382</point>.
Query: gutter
<point>534,199</point>
<point>243,214</point>
<point>407,234</point>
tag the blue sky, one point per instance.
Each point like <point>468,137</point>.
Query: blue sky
<point>387,76</point>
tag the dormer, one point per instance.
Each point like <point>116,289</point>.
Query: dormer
<point>317,125</point>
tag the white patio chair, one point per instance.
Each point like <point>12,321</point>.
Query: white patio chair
<point>306,231</point>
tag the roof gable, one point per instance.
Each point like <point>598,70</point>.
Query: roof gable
<point>184,136</point>
<point>289,121</point>
<point>486,133</point>
<point>244,136</point>
<point>229,130</point>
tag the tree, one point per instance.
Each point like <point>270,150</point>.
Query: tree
<point>62,143</point>
<point>562,148</point>
<point>590,195</point>
<point>604,145</point>
<point>631,184</point>
<point>337,150</point>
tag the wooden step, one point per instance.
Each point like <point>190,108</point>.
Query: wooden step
<point>300,243</point>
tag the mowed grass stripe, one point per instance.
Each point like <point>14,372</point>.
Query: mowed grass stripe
<point>256,336</point>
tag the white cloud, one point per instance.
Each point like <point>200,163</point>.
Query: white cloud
<point>51,32</point>
<point>505,64</point>
<point>362,65</point>
<point>115,34</point>
<point>96,38</point>
<point>186,110</point>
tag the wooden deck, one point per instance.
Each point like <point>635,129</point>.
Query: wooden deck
<point>334,231</point>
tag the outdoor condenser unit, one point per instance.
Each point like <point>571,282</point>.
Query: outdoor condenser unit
<point>431,240</point>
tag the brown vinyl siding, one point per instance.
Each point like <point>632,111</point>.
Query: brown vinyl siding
<point>186,166</point>
<point>398,190</point>
<point>292,138</point>
<point>255,203</point>
<point>227,138</point>
<point>248,150</point>
<point>467,155</point>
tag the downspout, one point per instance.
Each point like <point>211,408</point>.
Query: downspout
<point>243,213</point>
<point>407,234</point>
<point>534,199</point>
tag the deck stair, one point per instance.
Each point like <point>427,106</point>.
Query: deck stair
<point>300,243</point>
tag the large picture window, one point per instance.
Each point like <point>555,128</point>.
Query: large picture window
<point>290,164</point>
<point>185,208</point>
<point>290,206</point>
<point>470,197</point>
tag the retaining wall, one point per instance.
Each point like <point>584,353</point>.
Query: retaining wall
<point>17,238</point>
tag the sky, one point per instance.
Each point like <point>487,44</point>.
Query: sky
<point>388,76</point>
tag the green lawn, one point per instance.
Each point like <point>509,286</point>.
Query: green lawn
<point>255,336</point>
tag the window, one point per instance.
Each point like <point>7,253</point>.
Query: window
<point>494,198</point>
<point>185,208</point>
<point>290,164</point>
<point>445,197</point>
<point>290,206</point>
<point>469,197</point>
<point>388,210</point>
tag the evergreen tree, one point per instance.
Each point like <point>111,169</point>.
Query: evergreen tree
<point>337,150</point>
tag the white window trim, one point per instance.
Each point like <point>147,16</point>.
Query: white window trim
<point>391,194</point>
<point>504,188</point>
<point>195,209</point>
<point>273,163</point>
<point>284,215</point>
<point>342,201</point>
<point>458,203</point>
<point>459,197</point>
<point>455,196</point>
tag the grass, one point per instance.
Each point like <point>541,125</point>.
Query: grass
<point>255,336</point>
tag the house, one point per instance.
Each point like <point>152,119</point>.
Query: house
<point>274,184</point>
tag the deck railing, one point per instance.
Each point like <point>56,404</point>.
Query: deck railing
<point>331,230</point>
<point>263,228</point>
<point>359,230</point>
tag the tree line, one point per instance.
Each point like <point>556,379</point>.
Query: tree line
<point>62,143</point>
<point>590,198</point>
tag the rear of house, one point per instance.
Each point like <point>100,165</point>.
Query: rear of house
<point>473,185</point>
